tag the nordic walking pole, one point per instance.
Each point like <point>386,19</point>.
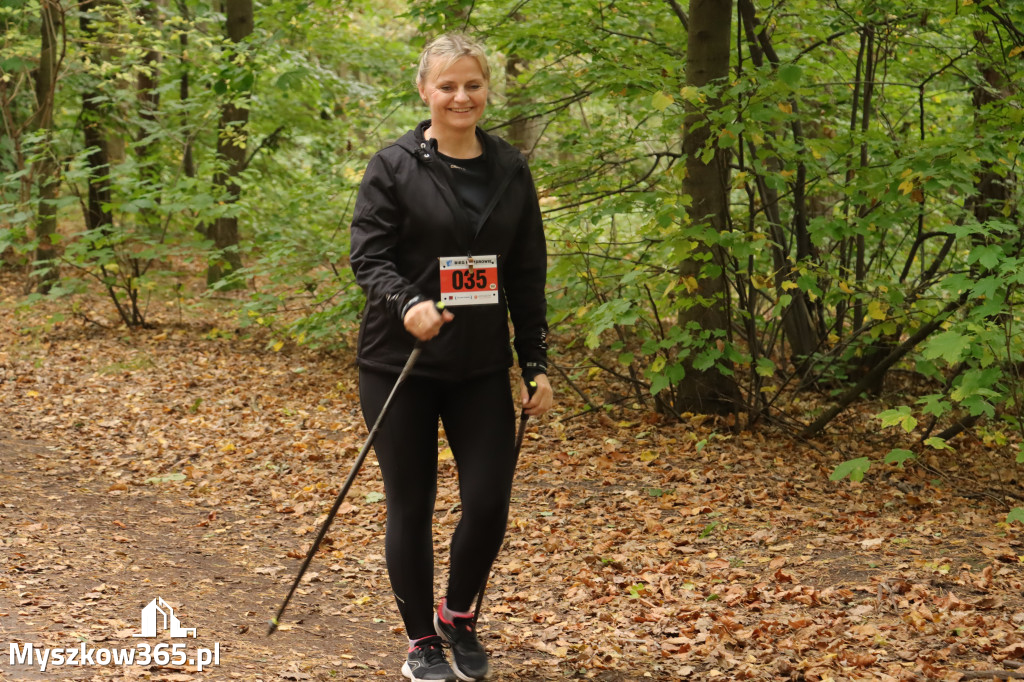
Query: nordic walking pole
<point>531,388</point>
<point>413,356</point>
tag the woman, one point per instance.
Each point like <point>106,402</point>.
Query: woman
<point>448,214</point>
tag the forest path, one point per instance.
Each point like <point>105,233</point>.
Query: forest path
<point>81,560</point>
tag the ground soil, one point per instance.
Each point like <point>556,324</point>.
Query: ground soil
<point>192,463</point>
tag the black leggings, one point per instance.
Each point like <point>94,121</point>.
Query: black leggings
<point>479,422</point>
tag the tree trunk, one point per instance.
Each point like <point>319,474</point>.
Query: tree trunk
<point>709,35</point>
<point>231,148</point>
<point>149,103</point>
<point>97,215</point>
<point>799,319</point>
<point>46,170</point>
<point>523,131</point>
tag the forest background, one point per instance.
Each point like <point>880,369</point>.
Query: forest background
<point>746,206</point>
<point>793,224</point>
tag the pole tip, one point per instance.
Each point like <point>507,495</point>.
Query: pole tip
<point>273,627</point>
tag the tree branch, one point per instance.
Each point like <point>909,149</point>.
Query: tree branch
<point>878,370</point>
<point>678,10</point>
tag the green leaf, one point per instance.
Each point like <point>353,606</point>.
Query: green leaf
<point>659,382</point>
<point>373,497</point>
<point>898,416</point>
<point>706,359</point>
<point>1020,453</point>
<point>948,345</point>
<point>938,443</point>
<point>12,64</point>
<point>790,74</point>
<point>1016,514</point>
<point>765,367</point>
<point>898,456</point>
<point>854,468</point>
<point>291,80</point>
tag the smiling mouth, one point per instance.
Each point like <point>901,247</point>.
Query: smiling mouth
<point>461,111</point>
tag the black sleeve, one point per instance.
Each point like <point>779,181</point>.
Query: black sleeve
<point>375,226</point>
<point>525,277</point>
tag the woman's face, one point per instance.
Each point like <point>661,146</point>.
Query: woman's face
<point>456,96</point>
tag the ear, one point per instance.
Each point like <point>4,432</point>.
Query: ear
<point>423,92</point>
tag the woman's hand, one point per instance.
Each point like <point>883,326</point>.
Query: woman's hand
<point>542,397</point>
<point>424,321</point>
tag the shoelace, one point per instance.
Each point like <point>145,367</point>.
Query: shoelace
<point>432,653</point>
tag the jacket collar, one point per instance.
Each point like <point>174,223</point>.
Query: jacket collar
<point>425,150</point>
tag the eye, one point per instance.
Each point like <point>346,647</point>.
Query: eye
<point>445,88</point>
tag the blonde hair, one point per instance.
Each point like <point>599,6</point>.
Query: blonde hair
<point>447,49</point>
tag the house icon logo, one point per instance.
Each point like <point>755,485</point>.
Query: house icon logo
<point>158,614</point>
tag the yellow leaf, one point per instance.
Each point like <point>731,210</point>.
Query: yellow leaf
<point>907,186</point>
<point>278,346</point>
<point>446,454</point>
<point>691,284</point>
<point>786,107</point>
<point>227,446</point>
<point>690,94</point>
<point>877,310</point>
<point>648,456</point>
<point>32,394</point>
<point>662,101</point>
<point>787,285</point>
<point>1017,50</point>
<point>845,287</point>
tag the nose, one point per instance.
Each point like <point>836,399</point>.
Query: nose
<point>461,95</point>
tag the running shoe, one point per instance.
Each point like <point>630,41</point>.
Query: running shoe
<point>469,660</point>
<point>426,661</point>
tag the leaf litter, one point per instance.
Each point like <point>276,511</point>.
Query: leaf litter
<point>195,461</point>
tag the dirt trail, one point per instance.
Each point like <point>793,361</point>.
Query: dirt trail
<point>80,561</point>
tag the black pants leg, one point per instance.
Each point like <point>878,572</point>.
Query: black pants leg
<point>479,421</point>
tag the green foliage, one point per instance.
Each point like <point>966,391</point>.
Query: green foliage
<point>854,468</point>
<point>898,456</point>
<point>873,184</point>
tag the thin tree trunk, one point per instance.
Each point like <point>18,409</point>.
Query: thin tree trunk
<point>709,41</point>
<point>97,215</point>
<point>523,131</point>
<point>231,148</point>
<point>149,104</point>
<point>798,319</point>
<point>46,170</point>
<point>187,161</point>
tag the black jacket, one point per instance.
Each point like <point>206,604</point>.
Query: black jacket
<point>406,218</point>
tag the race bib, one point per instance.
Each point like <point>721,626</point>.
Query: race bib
<point>469,280</point>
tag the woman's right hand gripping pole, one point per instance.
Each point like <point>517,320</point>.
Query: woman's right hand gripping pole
<point>424,320</point>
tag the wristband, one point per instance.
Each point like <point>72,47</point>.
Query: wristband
<point>410,303</point>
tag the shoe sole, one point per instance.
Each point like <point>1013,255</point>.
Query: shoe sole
<point>458,673</point>
<point>408,673</point>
